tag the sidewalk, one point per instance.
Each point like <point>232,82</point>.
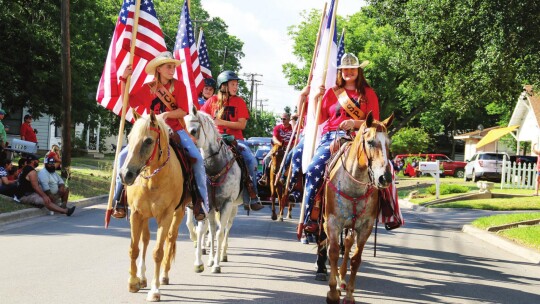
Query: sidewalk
<point>460,218</point>
<point>19,215</point>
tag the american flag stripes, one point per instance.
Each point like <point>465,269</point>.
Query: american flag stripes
<point>203,57</point>
<point>149,43</point>
<point>185,48</point>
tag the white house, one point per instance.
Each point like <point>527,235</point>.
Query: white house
<point>47,133</point>
<point>526,115</point>
<point>472,138</point>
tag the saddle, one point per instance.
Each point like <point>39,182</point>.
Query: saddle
<point>190,183</point>
<point>245,176</point>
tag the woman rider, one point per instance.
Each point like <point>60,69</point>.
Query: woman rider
<point>230,116</point>
<point>148,98</point>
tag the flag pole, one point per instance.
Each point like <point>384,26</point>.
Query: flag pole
<point>299,123</point>
<point>317,114</point>
<point>125,104</point>
<point>199,38</point>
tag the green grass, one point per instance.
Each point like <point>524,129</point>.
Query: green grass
<point>9,205</point>
<point>528,236</point>
<point>503,219</point>
<point>497,204</point>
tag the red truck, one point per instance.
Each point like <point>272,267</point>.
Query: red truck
<point>450,167</point>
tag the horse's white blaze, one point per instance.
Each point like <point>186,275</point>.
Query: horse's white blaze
<point>382,139</point>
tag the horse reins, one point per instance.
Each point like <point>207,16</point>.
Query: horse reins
<point>157,146</point>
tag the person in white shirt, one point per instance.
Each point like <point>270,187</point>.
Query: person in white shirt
<point>52,184</point>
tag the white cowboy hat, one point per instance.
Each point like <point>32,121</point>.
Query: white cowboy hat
<point>161,58</point>
<point>350,61</point>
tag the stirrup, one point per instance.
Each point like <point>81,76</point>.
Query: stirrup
<point>119,211</point>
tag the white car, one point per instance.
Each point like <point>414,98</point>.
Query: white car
<point>485,165</point>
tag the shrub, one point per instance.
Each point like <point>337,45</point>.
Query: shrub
<point>447,189</point>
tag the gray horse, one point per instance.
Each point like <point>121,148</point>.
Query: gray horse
<point>224,188</point>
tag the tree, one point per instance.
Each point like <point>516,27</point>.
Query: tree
<point>410,140</point>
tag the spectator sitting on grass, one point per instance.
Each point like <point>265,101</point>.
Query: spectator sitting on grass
<point>52,184</point>
<point>29,192</point>
<point>7,187</point>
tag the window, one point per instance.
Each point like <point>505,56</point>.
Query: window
<point>12,121</point>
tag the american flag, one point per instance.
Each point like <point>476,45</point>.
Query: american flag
<point>203,57</point>
<point>312,131</point>
<point>186,49</point>
<point>341,48</point>
<point>149,43</point>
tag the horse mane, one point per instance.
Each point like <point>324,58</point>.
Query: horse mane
<point>207,123</point>
<point>140,127</point>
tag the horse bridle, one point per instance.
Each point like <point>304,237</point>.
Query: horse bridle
<point>157,147</point>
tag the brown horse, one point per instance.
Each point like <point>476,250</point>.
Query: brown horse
<point>276,186</point>
<point>351,198</point>
<point>154,179</point>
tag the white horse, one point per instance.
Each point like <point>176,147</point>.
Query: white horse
<point>224,188</point>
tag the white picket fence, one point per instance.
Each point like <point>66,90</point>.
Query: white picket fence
<point>514,175</point>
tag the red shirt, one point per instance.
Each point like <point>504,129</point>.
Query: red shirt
<point>144,99</point>
<point>235,109</point>
<point>282,133</point>
<point>28,132</point>
<point>332,113</point>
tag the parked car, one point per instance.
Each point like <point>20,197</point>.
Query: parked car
<point>260,146</point>
<point>450,167</point>
<point>527,159</point>
<point>485,165</point>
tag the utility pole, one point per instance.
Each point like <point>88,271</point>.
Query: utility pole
<point>251,78</point>
<point>262,104</point>
<point>195,22</point>
<point>256,93</point>
<point>225,52</point>
<point>66,90</point>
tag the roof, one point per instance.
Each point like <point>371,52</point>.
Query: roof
<point>526,100</point>
<point>475,134</point>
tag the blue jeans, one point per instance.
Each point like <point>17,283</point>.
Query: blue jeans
<point>251,164</point>
<point>316,169</point>
<point>296,157</point>
<point>198,168</point>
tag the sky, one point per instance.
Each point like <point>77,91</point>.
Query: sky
<point>262,26</point>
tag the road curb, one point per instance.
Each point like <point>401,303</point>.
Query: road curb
<point>503,243</point>
<point>19,215</point>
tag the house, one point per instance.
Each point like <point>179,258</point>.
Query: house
<point>526,116</point>
<point>524,126</point>
<point>473,138</point>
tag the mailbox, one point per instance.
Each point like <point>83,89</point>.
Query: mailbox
<point>429,167</point>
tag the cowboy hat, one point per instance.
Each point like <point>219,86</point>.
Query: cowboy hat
<point>350,61</point>
<point>161,58</point>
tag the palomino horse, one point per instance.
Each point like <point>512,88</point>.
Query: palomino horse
<point>224,188</point>
<point>351,198</point>
<point>154,180</point>
<point>276,186</point>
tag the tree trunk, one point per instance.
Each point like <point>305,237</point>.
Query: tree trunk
<point>66,91</point>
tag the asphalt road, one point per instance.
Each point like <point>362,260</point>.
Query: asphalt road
<point>56,259</point>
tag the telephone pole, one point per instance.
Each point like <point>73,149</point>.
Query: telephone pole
<point>251,78</point>
<point>225,52</point>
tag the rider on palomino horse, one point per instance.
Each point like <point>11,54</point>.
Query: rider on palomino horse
<point>230,115</point>
<point>166,97</point>
<point>281,137</point>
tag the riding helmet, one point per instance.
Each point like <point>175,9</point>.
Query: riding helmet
<point>225,77</point>
<point>210,82</point>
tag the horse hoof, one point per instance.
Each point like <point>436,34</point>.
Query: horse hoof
<point>224,259</point>
<point>281,218</point>
<point>164,281</point>
<point>330,301</point>
<point>289,216</point>
<point>153,297</point>
<point>343,286</point>
<point>216,269</point>
<point>199,269</point>
<point>210,263</point>
<point>204,252</point>
<point>143,283</point>
<point>134,287</point>
<point>321,277</point>
<point>345,301</point>
<point>274,216</point>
